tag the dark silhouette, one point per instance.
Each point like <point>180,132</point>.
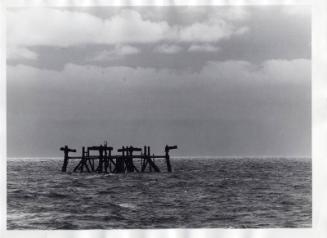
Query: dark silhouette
<point>101,160</point>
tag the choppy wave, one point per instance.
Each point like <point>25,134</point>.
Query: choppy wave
<point>200,193</point>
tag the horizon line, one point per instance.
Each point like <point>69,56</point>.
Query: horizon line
<point>191,156</point>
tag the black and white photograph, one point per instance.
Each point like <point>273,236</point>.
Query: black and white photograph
<point>157,117</point>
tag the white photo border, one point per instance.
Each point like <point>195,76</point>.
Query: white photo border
<point>319,126</point>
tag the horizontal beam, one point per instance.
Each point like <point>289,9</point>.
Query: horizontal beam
<point>67,149</point>
<point>100,148</point>
<point>119,156</point>
<point>129,149</point>
<point>171,147</point>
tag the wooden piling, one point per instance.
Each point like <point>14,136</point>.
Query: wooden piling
<point>104,161</point>
<point>120,163</point>
<point>143,163</point>
<point>91,161</point>
<point>100,165</point>
<point>83,162</point>
<point>167,149</point>
<point>66,158</point>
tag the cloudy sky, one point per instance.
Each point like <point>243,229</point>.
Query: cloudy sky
<point>213,80</point>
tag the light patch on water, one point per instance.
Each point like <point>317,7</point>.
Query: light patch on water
<point>128,205</point>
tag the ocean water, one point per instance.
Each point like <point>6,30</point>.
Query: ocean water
<point>199,193</point>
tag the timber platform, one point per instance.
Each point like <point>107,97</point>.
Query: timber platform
<point>101,159</point>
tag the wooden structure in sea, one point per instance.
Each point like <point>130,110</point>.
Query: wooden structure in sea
<point>101,159</point>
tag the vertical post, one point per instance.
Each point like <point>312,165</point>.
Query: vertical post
<point>127,159</point>
<point>144,154</point>
<point>167,158</point>
<point>110,161</point>
<point>91,161</point>
<point>149,155</point>
<point>130,164</point>
<point>105,158</point>
<point>101,159</point>
<point>64,166</point>
<point>66,150</point>
<point>120,161</point>
<point>128,156</point>
<point>83,159</point>
<point>123,160</point>
<point>143,162</point>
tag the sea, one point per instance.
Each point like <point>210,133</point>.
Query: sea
<point>199,193</point>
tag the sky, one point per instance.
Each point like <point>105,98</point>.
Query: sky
<point>216,81</point>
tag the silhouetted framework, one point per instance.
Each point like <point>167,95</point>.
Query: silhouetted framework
<point>129,159</point>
